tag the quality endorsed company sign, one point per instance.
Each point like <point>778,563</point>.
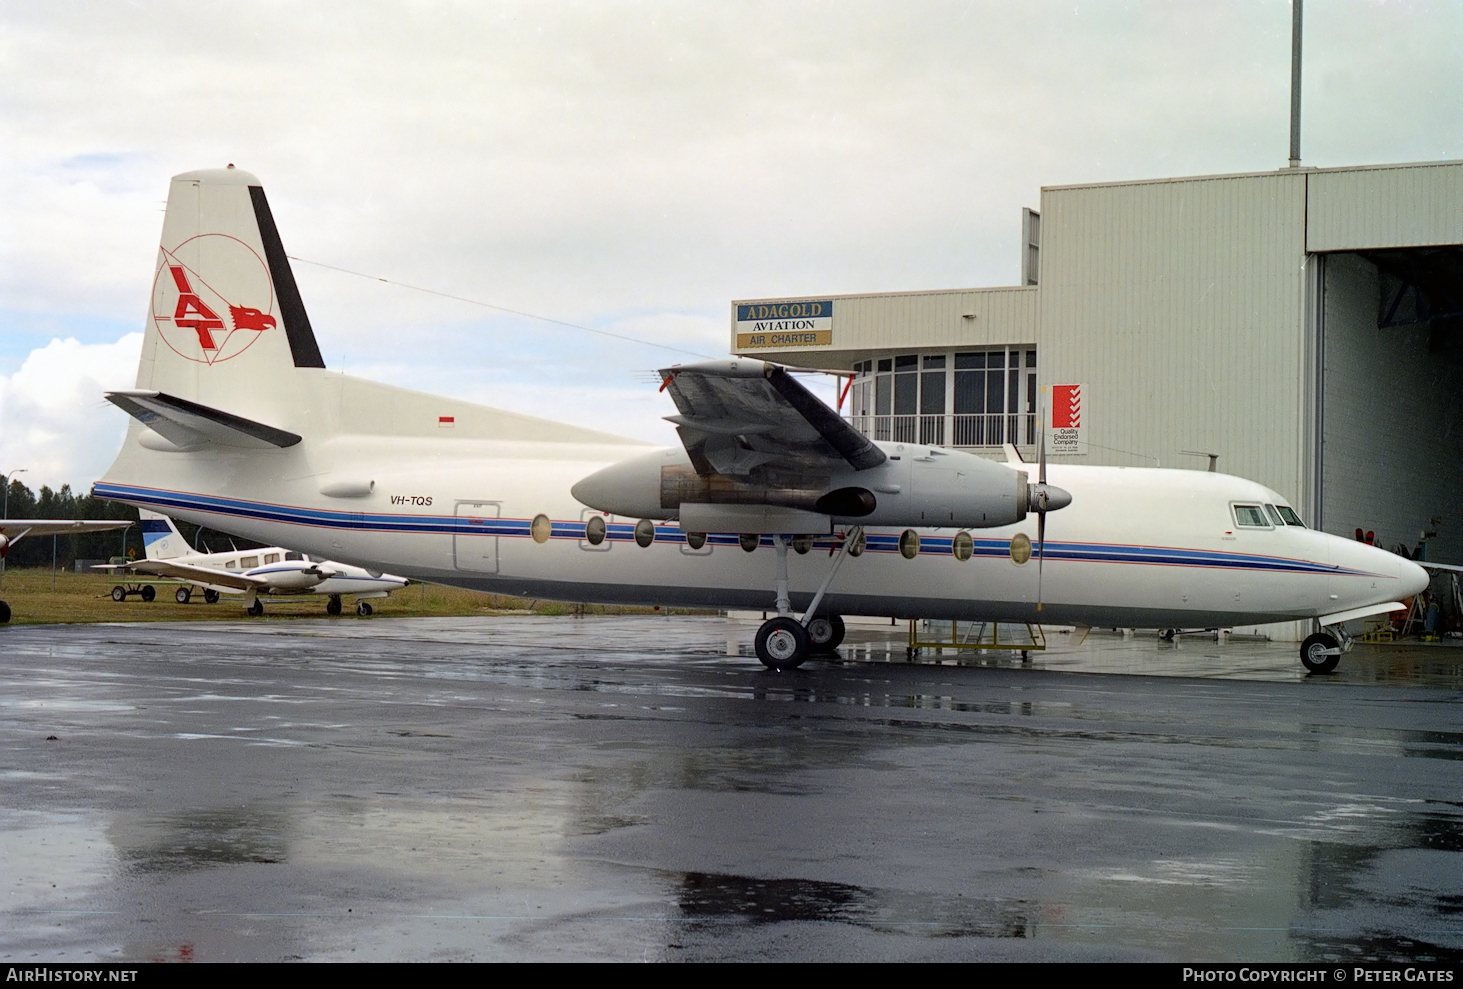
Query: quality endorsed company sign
<point>785,324</point>
<point>1067,434</point>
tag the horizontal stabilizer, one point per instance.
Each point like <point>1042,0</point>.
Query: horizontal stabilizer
<point>188,425</point>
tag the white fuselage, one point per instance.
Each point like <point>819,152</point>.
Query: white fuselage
<point>1136,547</point>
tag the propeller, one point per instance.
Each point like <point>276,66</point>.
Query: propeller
<point>1044,498</point>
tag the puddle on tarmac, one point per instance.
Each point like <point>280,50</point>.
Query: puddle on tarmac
<point>704,898</point>
<point>201,840</point>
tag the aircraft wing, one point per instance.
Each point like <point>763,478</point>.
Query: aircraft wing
<point>13,529</point>
<point>214,577</point>
<point>1427,565</point>
<point>739,415</point>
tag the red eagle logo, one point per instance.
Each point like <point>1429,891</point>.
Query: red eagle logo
<point>217,315</point>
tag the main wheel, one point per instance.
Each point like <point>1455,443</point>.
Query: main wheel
<point>825,632</point>
<point>183,595</point>
<point>1313,656</point>
<point>119,593</point>
<point>363,608</point>
<point>782,644</point>
<point>332,607</point>
<point>4,612</point>
<point>148,592</point>
<point>210,597</point>
<point>256,609</point>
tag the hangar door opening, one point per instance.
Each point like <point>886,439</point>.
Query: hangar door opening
<point>1391,401</point>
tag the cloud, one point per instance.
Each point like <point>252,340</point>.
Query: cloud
<point>640,165</point>
<point>53,419</point>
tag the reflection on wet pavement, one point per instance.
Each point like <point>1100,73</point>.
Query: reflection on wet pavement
<point>555,788</point>
<point>704,898</point>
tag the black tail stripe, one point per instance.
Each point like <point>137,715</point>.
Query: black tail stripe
<point>296,323</point>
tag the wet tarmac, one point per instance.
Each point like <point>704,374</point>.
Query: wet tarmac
<point>640,789</point>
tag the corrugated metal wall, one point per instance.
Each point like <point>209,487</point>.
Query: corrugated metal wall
<point>1182,305</point>
<point>1390,206</point>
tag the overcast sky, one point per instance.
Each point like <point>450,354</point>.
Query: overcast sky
<point>628,166</point>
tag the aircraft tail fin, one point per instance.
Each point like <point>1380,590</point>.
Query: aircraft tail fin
<point>160,537</point>
<point>226,325</point>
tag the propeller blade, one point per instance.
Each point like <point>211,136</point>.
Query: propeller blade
<point>1040,553</point>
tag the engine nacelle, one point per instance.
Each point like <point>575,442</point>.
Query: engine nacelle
<point>915,486</point>
<point>295,576</point>
<point>4,545</point>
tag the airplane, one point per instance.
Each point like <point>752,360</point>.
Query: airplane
<point>772,502</point>
<point>272,570</point>
<point>14,530</point>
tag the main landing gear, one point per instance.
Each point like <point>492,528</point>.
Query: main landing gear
<point>333,607</point>
<point>784,642</point>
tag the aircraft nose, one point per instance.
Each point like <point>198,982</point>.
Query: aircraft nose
<point>1412,578</point>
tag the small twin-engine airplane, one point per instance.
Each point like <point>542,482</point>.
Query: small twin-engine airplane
<point>13,530</point>
<point>272,571</point>
<point>773,502</point>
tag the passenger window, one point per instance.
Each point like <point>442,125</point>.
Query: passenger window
<point>1288,514</point>
<point>292,555</point>
<point>231,565</point>
<point>1250,517</point>
<point>271,558</point>
<point>249,562</point>
<point>1274,514</point>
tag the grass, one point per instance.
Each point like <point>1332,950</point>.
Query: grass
<point>88,598</point>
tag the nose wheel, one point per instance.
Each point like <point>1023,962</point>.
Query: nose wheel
<point>1320,653</point>
<point>363,608</point>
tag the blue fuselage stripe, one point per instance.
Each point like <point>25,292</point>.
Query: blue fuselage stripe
<point>879,542</point>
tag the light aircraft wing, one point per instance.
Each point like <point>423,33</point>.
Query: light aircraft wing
<point>188,424</point>
<point>13,529</point>
<point>1426,565</point>
<point>223,579</point>
<point>739,415</point>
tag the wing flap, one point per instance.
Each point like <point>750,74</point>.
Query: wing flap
<point>739,415</point>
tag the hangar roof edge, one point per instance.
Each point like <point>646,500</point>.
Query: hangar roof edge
<point>1272,173</point>
<point>811,297</point>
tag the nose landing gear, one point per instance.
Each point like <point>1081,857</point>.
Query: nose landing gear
<point>1321,652</point>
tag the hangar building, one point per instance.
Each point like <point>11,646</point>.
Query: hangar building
<point>1304,326</point>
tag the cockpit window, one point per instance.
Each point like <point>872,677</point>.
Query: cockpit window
<point>1288,514</point>
<point>292,555</point>
<point>1250,517</point>
<point>1274,514</point>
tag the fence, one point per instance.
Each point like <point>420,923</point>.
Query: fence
<point>986,429</point>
